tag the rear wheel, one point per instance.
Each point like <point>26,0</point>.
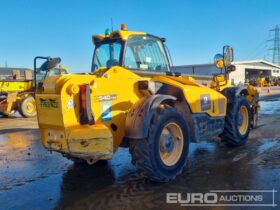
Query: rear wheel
<point>237,122</point>
<point>28,107</point>
<point>163,154</point>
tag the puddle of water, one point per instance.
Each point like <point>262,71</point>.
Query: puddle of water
<point>270,106</point>
<point>40,200</point>
<point>202,147</point>
<point>121,164</point>
<point>266,145</point>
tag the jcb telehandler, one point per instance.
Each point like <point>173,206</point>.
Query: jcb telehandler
<point>133,99</point>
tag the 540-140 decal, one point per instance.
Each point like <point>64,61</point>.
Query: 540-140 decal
<point>108,97</point>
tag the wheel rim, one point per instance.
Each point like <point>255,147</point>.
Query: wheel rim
<point>243,120</point>
<point>30,107</point>
<point>171,144</point>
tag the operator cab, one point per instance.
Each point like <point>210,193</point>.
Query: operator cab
<point>132,50</point>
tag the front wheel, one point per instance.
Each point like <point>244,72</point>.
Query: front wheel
<point>28,107</point>
<point>237,122</point>
<point>163,154</point>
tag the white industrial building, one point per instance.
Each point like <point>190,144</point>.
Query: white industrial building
<point>244,70</point>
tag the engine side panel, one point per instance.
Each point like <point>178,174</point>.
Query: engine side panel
<point>201,99</point>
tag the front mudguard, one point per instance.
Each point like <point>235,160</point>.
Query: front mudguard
<point>232,92</point>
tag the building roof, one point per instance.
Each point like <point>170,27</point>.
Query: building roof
<point>8,71</point>
<point>248,62</point>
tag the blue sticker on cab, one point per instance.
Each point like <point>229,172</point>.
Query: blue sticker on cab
<point>106,111</point>
<point>205,102</point>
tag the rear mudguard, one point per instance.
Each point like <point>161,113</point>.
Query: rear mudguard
<point>139,117</point>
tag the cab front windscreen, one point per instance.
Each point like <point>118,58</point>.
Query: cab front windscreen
<point>141,52</point>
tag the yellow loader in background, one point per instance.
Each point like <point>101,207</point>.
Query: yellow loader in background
<point>17,92</point>
<point>133,99</point>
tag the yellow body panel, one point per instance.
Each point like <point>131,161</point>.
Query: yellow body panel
<point>15,86</point>
<point>220,82</point>
<point>95,140</point>
<point>58,108</point>
<point>195,93</point>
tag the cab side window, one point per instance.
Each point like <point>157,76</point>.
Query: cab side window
<point>107,55</point>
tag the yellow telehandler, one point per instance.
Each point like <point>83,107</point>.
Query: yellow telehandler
<point>132,98</point>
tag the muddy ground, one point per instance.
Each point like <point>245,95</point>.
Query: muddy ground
<point>33,178</point>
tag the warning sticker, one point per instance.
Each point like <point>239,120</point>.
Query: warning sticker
<point>106,111</point>
<point>70,104</point>
<point>205,102</point>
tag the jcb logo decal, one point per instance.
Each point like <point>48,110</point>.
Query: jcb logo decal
<point>205,99</point>
<point>205,102</point>
<point>48,103</point>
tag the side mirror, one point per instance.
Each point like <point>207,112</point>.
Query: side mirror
<point>219,61</point>
<point>50,63</point>
<point>225,60</point>
<point>228,55</point>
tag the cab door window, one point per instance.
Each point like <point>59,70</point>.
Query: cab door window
<point>145,53</point>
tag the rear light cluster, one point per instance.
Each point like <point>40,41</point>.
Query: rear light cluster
<point>86,116</point>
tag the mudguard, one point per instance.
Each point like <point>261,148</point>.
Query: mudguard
<point>139,117</point>
<point>232,92</point>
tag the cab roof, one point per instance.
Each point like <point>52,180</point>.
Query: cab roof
<point>118,34</point>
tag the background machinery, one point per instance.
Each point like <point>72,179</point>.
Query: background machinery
<point>133,99</point>
<point>17,94</point>
<point>17,91</point>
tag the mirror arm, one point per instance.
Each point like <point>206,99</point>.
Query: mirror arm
<point>35,68</point>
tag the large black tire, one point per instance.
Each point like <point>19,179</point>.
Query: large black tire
<point>237,122</point>
<point>27,107</point>
<point>156,156</point>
